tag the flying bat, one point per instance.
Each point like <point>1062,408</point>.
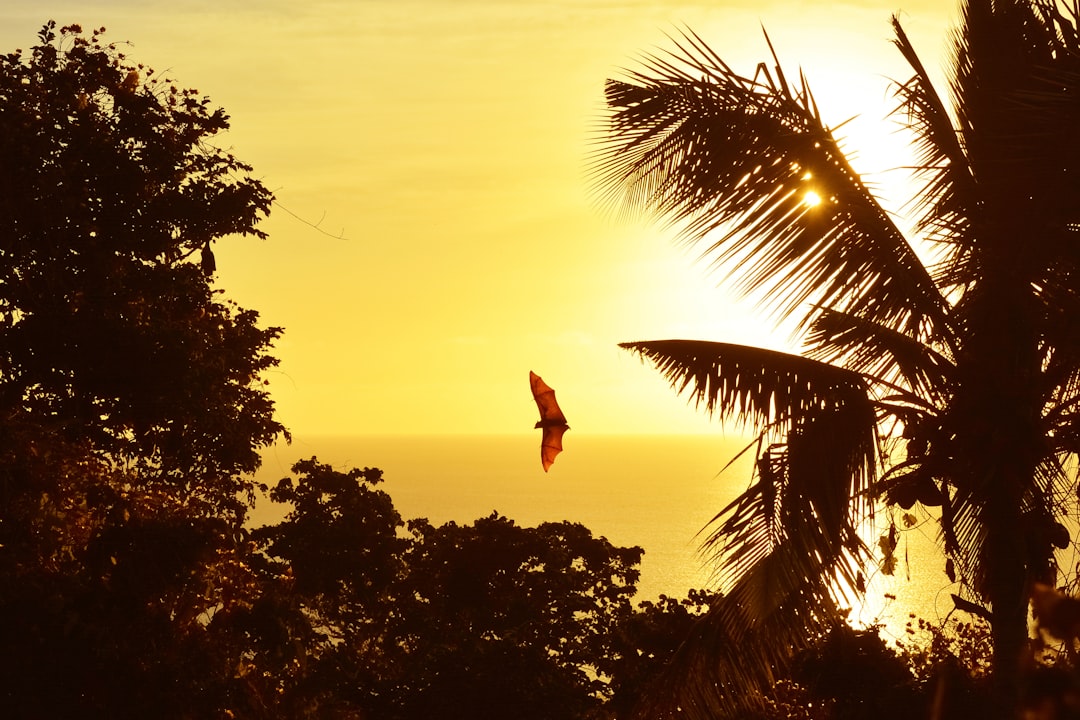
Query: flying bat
<point>552,420</point>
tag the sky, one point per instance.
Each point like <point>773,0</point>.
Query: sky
<point>435,235</point>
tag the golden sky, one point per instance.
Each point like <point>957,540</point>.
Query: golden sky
<point>441,148</point>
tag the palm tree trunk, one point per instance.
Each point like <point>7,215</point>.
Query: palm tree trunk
<point>998,429</point>
<point>1007,592</point>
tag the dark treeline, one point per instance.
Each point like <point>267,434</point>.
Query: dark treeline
<point>132,409</point>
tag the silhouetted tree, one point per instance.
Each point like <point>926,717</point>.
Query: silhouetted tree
<point>512,622</point>
<point>131,402</point>
<point>110,330</point>
<point>111,595</point>
<point>342,548</point>
<point>952,383</point>
<point>486,620</point>
<point>646,641</point>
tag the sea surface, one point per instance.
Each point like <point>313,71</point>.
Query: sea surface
<point>656,492</point>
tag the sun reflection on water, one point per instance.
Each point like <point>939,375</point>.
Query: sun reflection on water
<point>917,586</point>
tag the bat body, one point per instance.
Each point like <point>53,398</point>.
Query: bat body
<point>552,420</point>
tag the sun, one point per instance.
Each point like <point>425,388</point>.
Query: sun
<point>811,199</point>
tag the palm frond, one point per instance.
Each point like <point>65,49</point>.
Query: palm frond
<point>1050,494</point>
<point>944,205</point>
<point>784,547</point>
<point>881,353</point>
<point>710,150</point>
<point>1064,421</point>
<point>808,483</point>
<point>780,600</point>
<point>802,512</point>
<point>752,385</point>
<point>1016,85</point>
<point>1061,344</point>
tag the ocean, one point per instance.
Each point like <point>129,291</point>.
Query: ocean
<point>656,492</point>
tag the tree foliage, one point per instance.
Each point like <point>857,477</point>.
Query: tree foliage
<point>646,641</point>
<point>515,621</point>
<point>132,405</point>
<point>111,196</point>
<point>491,619</point>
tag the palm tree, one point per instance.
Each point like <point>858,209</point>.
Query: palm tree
<point>948,375</point>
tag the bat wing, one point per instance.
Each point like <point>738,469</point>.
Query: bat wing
<point>545,401</point>
<point>552,420</point>
<point>551,444</point>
